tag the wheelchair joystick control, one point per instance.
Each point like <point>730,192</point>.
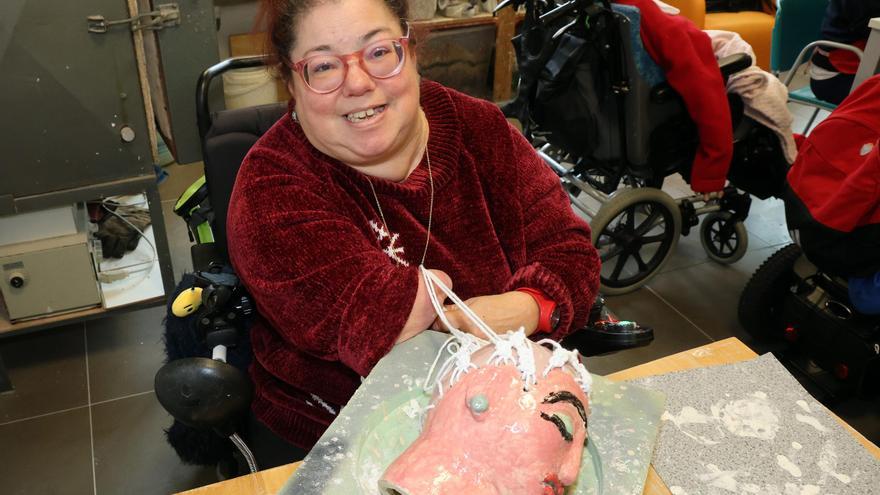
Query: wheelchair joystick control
<point>209,393</point>
<point>604,333</point>
<point>187,302</point>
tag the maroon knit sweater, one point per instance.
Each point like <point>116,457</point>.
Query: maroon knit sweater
<point>303,237</point>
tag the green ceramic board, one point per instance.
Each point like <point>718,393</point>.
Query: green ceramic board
<point>384,417</point>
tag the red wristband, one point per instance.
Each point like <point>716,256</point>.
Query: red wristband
<point>546,307</point>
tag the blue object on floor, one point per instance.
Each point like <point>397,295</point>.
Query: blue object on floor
<point>161,174</point>
<point>864,292</point>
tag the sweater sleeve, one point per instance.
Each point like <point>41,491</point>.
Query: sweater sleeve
<point>559,257</point>
<point>685,54</point>
<point>321,283</point>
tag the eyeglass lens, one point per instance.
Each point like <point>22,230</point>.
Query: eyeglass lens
<point>327,72</point>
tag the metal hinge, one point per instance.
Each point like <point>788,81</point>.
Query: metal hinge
<point>167,15</point>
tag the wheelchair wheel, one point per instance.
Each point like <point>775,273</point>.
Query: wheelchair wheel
<point>762,297</point>
<point>635,232</point>
<point>724,240</point>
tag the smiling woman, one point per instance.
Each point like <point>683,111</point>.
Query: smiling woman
<point>390,143</point>
<point>373,173</point>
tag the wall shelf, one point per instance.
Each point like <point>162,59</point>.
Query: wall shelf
<point>143,184</point>
<point>505,28</point>
<point>42,322</point>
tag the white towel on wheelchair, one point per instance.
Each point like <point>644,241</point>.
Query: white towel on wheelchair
<point>764,96</point>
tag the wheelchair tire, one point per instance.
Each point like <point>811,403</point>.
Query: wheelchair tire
<point>762,297</point>
<point>627,227</point>
<point>723,240</point>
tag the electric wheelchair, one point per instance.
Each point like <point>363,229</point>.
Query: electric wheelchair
<point>818,300</point>
<point>204,384</point>
<point>603,118</point>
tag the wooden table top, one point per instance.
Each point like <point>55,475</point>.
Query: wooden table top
<point>725,351</point>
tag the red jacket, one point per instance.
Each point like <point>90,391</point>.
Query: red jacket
<point>837,173</point>
<point>685,54</point>
<point>302,237</point>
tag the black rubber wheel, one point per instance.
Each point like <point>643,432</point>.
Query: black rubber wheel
<point>762,297</point>
<point>635,232</point>
<point>724,240</point>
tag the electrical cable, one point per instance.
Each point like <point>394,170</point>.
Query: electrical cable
<point>105,276</point>
<point>245,451</point>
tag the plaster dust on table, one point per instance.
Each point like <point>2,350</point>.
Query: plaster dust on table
<point>701,353</point>
<point>749,428</point>
<point>786,464</point>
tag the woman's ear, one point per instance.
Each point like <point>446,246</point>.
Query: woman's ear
<point>415,63</point>
<point>414,59</point>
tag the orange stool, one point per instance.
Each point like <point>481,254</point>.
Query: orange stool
<point>755,27</point>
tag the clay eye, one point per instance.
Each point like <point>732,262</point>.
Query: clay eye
<point>478,404</point>
<point>562,422</point>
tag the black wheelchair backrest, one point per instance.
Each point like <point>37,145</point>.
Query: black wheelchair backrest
<point>227,136</point>
<point>231,136</point>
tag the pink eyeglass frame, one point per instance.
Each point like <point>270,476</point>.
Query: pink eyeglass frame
<point>359,56</point>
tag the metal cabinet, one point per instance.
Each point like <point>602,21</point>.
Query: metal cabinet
<point>72,110</point>
<point>82,87</point>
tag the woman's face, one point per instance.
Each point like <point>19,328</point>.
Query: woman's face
<point>341,27</point>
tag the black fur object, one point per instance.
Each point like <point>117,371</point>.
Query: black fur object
<point>182,340</point>
<point>198,447</point>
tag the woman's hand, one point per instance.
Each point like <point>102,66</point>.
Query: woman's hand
<point>713,195</point>
<point>422,313</point>
<point>502,312</point>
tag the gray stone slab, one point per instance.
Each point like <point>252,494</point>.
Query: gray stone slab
<point>750,428</point>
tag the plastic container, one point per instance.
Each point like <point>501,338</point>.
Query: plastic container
<point>422,9</point>
<point>248,87</point>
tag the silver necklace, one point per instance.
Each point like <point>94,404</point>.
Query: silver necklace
<point>430,205</point>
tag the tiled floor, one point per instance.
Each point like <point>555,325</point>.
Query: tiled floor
<point>83,417</point>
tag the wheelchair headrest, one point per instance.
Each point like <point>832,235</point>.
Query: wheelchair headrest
<point>254,120</point>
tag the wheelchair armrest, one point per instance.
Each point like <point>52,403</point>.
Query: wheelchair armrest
<point>734,63</point>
